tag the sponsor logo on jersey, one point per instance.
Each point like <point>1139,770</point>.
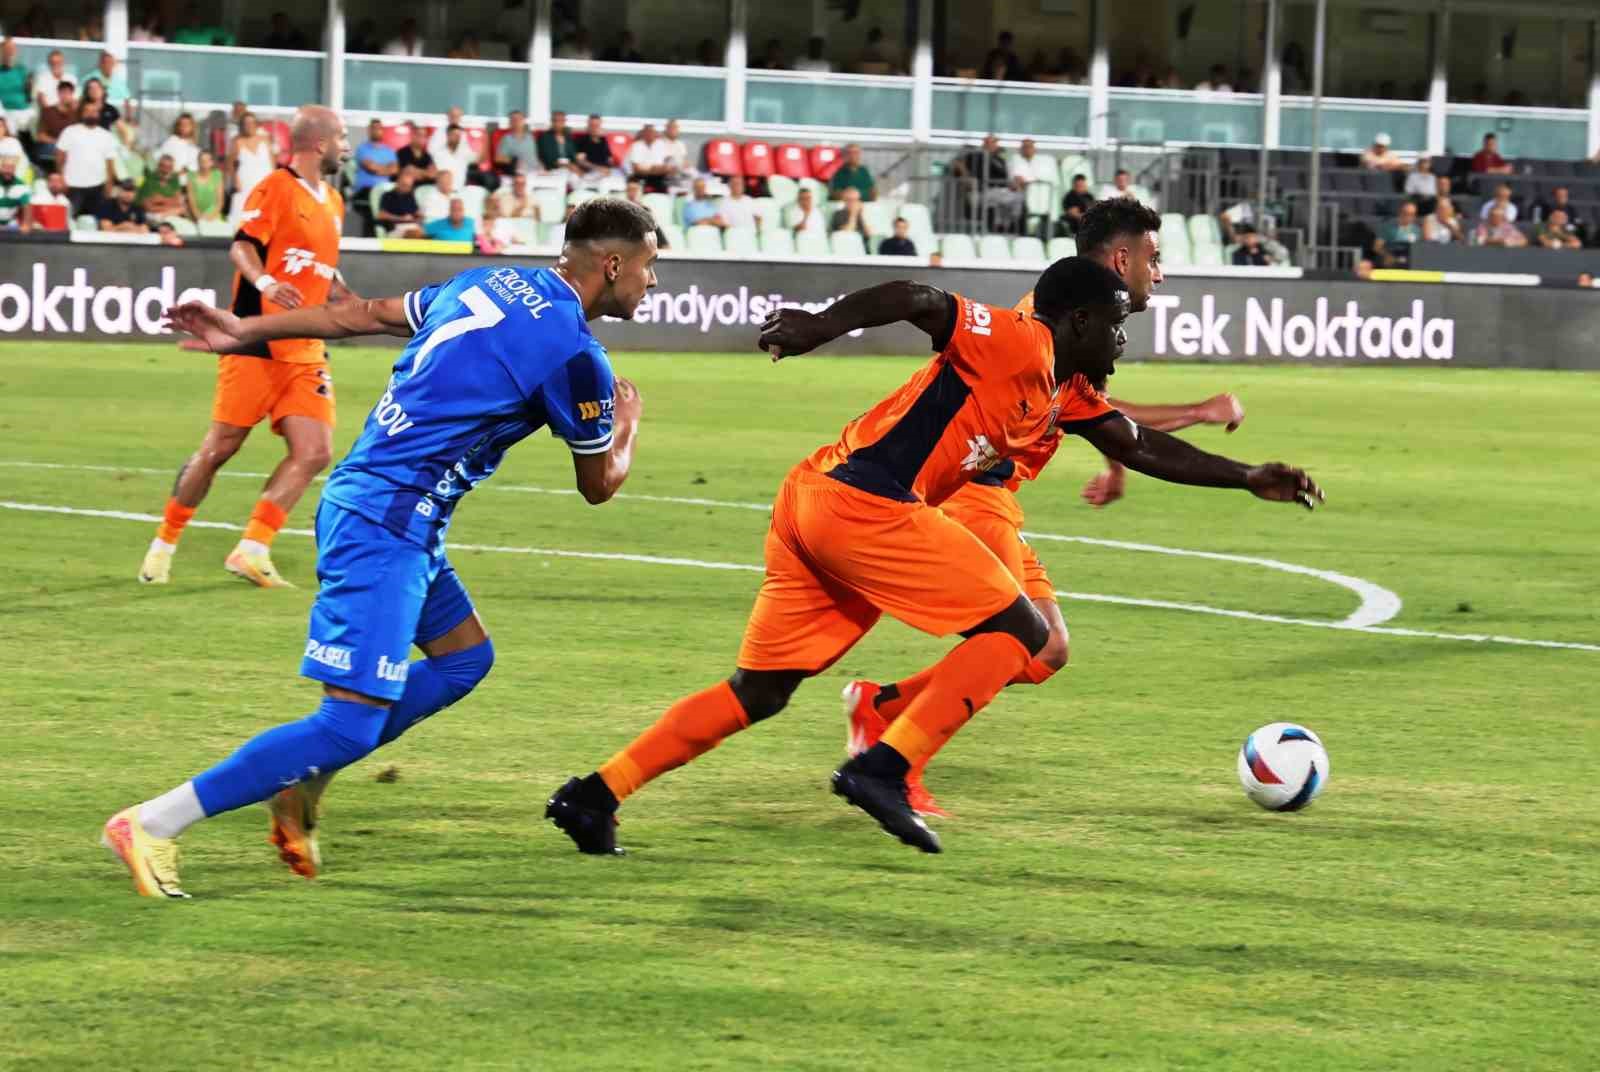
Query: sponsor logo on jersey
<point>978,317</point>
<point>390,415</point>
<point>510,285</point>
<point>329,655</point>
<point>392,671</point>
<point>590,411</point>
<point>981,455</point>
<point>297,260</point>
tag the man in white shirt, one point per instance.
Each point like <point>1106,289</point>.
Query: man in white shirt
<point>737,210</point>
<point>814,60</point>
<point>1423,182</point>
<point>455,155</point>
<point>1379,158</point>
<point>1028,167</point>
<point>435,203</point>
<point>48,77</point>
<point>649,160</point>
<point>804,216</point>
<point>436,142</point>
<point>1120,186</point>
<point>86,154</point>
<point>51,191</point>
<point>1217,82</point>
<point>1502,200</point>
<point>677,151</point>
<point>407,44</point>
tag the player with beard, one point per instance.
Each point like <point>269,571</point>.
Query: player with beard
<point>286,256</point>
<point>1123,235</point>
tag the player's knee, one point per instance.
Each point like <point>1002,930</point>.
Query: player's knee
<point>355,728</point>
<point>463,670</point>
<point>215,452</point>
<point>314,458</point>
<point>1021,620</point>
<point>763,693</point>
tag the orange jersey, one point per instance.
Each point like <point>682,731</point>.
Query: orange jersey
<point>295,228</point>
<point>985,397</point>
<point>1078,405</point>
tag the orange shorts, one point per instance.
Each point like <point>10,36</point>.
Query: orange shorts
<point>993,516</point>
<point>249,389</point>
<point>838,558</point>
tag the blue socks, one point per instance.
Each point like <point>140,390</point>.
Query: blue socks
<point>339,733</point>
<point>434,684</point>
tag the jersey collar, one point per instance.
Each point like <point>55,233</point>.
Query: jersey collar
<point>570,287</point>
<point>320,191</point>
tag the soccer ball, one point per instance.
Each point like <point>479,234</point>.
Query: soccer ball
<point>1283,766</point>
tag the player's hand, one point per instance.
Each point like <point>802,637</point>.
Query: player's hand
<point>1105,488</point>
<point>1277,482</point>
<point>788,332</point>
<point>284,295</point>
<point>628,403</point>
<point>1223,409</point>
<point>215,330</point>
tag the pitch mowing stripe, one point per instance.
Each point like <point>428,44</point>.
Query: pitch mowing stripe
<point>659,560</point>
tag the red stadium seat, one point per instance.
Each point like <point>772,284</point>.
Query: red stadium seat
<point>477,140</point>
<point>280,137</point>
<point>219,143</point>
<point>722,157</point>
<point>791,162</point>
<point>757,159</point>
<point>825,160</point>
<point>398,136</point>
<point>620,144</point>
<point>494,143</point>
<point>50,217</point>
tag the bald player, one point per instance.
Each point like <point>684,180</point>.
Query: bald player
<point>286,256</point>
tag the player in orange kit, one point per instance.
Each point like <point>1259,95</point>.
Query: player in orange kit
<point>286,253</point>
<point>1124,235</point>
<point>855,532</point>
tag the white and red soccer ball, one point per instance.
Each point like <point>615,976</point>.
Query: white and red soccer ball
<point>1283,766</point>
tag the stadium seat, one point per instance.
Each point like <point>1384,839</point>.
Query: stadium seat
<point>552,204</point>
<point>1060,247</point>
<point>783,189</point>
<point>86,222</point>
<point>1040,199</point>
<point>674,235</point>
<point>757,159</point>
<point>824,161</point>
<point>1074,164</point>
<point>819,190</point>
<point>917,216</point>
<point>50,217</point>
<point>768,212</point>
<point>216,229</point>
<point>1204,230</point>
<point>994,247</point>
<point>620,144</point>
<point>1027,250</point>
<point>811,244</point>
<point>662,206</point>
<point>704,240</point>
<point>397,136</point>
<point>740,240</point>
<point>789,160</point>
<point>722,157</point>
<point>848,244</point>
<point>526,231</point>
<point>1208,256</point>
<point>472,199</point>
<point>959,247</point>
<point>580,195</point>
<point>183,226</point>
<point>879,216</point>
<point>279,130</point>
<point>613,184</point>
<point>494,141</point>
<point>477,140</point>
<point>552,234</point>
<point>1175,245</point>
<point>777,243</point>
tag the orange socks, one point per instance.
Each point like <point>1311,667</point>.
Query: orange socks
<point>265,521</point>
<point>173,519</point>
<point>1035,673</point>
<point>958,687</point>
<point>692,726</point>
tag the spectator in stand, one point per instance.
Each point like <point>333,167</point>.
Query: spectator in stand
<point>120,213</point>
<point>514,201</point>
<point>416,155</point>
<point>1074,203</point>
<point>168,234</point>
<point>86,155</point>
<point>1423,182</point>
<point>850,216</point>
<point>47,81</point>
<point>466,47</point>
<point>814,62</point>
<point>1250,253</point>
<point>1496,230</point>
<point>700,210</point>
<point>649,160</point>
<point>555,145</point>
<point>455,156</point>
<point>148,27</point>
<point>1443,225</point>
<point>9,146</point>
<point>455,227</point>
<point>772,59</point>
<point>592,153</point>
<point>364,38</point>
<point>284,35</point>
<point>1556,232</point>
<point>52,121</point>
<point>205,193</point>
<point>251,157</point>
<point>1560,201</point>
<point>737,209</point>
<point>114,77</point>
<point>853,175</point>
<point>1216,81</point>
<point>985,181</point>
<point>876,56</point>
<point>1002,62</point>
<point>1121,185</point>
<point>376,164</point>
<point>94,105</point>
<point>576,47</point>
<point>1488,161</point>
<point>496,232</point>
<point>14,197</point>
<point>1502,200</point>
<point>455,115</point>
<point>397,207</point>
<point>406,43</point>
<point>804,216</point>
<point>626,50</point>
<point>518,152</point>
<point>1028,166</point>
<point>677,152</point>
<point>1378,156</point>
<point>1391,248</point>
<point>194,30</point>
<point>436,201</point>
<point>161,193</point>
<point>899,244</point>
<point>181,144</point>
<point>15,104</point>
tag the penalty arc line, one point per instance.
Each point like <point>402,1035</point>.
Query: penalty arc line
<point>660,560</point>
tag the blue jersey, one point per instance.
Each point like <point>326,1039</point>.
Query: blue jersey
<point>497,354</point>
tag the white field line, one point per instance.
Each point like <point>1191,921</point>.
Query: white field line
<point>1377,604</point>
<point>150,519</point>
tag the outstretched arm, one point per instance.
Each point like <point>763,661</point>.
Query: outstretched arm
<point>788,332</point>
<point>219,331</point>
<point>1106,487</point>
<point>1166,457</point>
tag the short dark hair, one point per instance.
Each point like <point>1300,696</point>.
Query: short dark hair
<point>1112,217</point>
<point>606,219</point>
<point>1074,282</point>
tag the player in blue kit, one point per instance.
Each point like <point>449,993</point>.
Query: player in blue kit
<point>495,354</point>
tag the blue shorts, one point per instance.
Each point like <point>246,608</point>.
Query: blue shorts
<point>380,594</point>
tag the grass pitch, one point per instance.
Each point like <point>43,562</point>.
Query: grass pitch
<point>1108,897</point>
